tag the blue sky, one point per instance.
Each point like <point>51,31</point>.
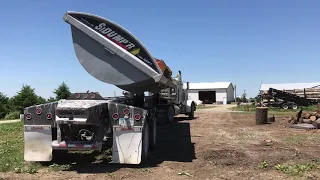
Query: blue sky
<point>245,42</point>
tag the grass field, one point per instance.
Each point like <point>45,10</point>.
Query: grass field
<point>216,145</point>
<point>11,152</point>
<point>252,108</point>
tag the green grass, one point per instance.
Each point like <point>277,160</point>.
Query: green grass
<point>11,151</point>
<point>263,165</point>
<point>8,119</point>
<point>252,108</point>
<point>298,139</point>
<point>303,138</point>
<point>270,113</point>
<point>59,167</point>
<point>310,108</point>
<point>296,169</point>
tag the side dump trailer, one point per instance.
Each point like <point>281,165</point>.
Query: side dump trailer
<point>87,121</point>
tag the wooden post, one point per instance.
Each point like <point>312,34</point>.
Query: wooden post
<point>261,115</point>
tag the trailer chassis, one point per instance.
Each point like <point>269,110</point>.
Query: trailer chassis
<point>79,123</point>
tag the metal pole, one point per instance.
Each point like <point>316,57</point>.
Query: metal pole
<point>235,92</point>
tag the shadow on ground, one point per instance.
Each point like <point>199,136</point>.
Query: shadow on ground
<point>185,118</point>
<point>173,144</point>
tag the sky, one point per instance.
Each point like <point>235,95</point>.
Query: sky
<point>245,42</point>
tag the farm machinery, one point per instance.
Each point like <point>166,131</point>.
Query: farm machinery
<point>285,100</point>
<point>88,121</point>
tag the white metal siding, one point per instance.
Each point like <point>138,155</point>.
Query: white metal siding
<point>230,93</point>
<point>193,95</point>
<point>207,86</point>
<point>220,94</point>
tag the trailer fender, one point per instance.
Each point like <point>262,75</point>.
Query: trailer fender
<point>176,110</point>
<point>37,143</point>
<point>127,145</point>
<point>189,104</point>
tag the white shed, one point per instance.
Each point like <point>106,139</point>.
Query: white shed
<point>216,92</point>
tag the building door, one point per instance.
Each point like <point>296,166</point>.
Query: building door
<point>207,97</point>
<point>224,100</point>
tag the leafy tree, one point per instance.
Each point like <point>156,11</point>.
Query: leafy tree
<point>51,99</point>
<point>4,105</point>
<point>62,92</point>
<point>25,97</point>
<point>258,98</point>
<point>244,97</point>
<point>11,106</point>
<point>41,100</point>
<point>252,100</point>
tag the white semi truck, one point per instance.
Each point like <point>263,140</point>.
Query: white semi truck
<point>87,121</point>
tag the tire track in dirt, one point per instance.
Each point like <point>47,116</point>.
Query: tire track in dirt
<point>224,129</point>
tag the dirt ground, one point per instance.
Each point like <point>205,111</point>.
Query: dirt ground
<point>217,144</point>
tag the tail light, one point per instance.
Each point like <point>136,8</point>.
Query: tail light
<point>85,96</point>
<point>49,116</point>
<point>38,111</point>
<point>137,117</point>
<point>126,111</point>
<point>115,116</point>
<point>28,116</point>
<point>93,96</point>
<point>78,95</point>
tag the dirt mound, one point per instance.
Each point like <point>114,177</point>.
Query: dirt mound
<point>224,156</point>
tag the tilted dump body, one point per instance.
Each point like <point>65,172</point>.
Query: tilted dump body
<point>113,55</point>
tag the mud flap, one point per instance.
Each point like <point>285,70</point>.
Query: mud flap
<point>37,143</point>
<point>127,145</point>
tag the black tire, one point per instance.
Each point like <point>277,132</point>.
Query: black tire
<point>191,114</point>
<point>145,143</point>
<point>59,155</point>
<point>285,106</point>
<point>170,114</point>
<point>153,134</point>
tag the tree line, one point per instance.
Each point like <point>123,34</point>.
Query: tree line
<point>11,108</point>
<point>244,99</point>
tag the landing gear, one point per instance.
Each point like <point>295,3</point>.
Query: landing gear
<point>170,114</point>
<point>153,130</point>
<point>145,143</point>
<point>165,114</point>
<point>191,114</point>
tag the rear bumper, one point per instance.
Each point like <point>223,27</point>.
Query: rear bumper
<point>74,145</point>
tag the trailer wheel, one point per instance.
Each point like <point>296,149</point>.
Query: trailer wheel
<point>285,106</point>
<point>145,143</point>
<point>170,114</point>
<point>58,155</point>
<point>295,106</point>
